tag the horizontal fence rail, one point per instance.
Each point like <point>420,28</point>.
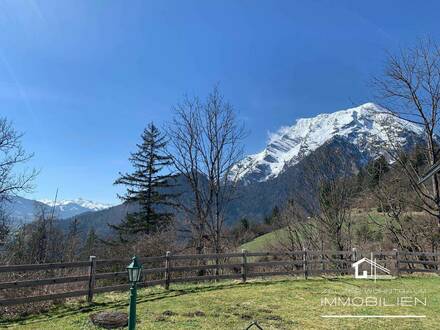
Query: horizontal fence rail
<point>23,268</point>
<point>81,279</point>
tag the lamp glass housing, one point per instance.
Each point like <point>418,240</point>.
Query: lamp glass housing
<point>134,271</point>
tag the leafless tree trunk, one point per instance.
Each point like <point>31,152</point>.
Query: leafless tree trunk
<point>205,145</point>
<point>5,227</point>
<point>185,131</point>
<point>410,88</point>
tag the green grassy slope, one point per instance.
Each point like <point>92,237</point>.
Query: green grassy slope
<point>276,304</point>
<point>264,242</point>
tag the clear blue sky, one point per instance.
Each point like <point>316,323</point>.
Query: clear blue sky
<point>82,78</point>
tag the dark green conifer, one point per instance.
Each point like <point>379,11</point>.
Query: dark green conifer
<point>148,186</point>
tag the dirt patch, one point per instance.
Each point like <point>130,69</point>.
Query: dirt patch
<point>265,310</point>
<point>168,313</point>
<point>274,318</point>
<point>195,314</point>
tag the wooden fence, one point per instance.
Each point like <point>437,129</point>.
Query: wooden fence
<point>168,269</point>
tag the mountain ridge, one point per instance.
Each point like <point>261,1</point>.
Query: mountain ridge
<point>24,210</point>
<point>85,203</point>
<point>369,126</point>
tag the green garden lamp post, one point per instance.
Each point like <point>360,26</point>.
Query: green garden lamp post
<point>134,275</point>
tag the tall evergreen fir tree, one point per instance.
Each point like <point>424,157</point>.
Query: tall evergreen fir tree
<point>148,186</point>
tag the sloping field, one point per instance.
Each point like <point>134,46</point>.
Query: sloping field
<point>263,242</point>
<point>266,241</point>
<point>282,303</point>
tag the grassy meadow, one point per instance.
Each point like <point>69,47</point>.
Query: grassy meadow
<point>278,303</point>
<point>360,217</point>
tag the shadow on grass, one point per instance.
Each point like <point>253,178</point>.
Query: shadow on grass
<point>64,311</point>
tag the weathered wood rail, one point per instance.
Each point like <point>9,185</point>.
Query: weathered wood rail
<point>168,269</point>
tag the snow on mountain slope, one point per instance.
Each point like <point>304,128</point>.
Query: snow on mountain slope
<point>83,203</point>
<point>23,210</point>
<point>368,126</point>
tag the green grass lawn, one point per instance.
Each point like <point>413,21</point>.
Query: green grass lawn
<point>278,303</point>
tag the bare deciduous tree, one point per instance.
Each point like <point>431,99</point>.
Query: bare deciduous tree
<point>5,227</point>
<point>331,177</point>
<point>298,231</point>
<point>206,145</point>
<point>410,88</point>
<point>40,241</point>
<point>12,155</point>
<point>393,193</point>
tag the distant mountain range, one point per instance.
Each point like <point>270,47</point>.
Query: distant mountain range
<point>270,177</point>
<point>76,204</point>
<point>22,210</point>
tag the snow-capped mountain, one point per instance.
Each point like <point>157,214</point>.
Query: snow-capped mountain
<point>23,210</point>
<point>370,127</point>
<point>79,202</point>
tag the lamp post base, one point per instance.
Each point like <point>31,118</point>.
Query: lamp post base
<point>132,312</point>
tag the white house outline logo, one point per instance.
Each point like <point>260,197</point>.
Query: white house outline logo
<point>374,266</point>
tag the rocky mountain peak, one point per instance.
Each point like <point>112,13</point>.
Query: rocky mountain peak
<point>368,126</point>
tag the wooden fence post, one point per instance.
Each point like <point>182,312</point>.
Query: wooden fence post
<point>397,264</point>
<point>243,266</point>
<point>435,259</point>
<point>92,272</point>
<point>167,270</point>
<point>305,263</point>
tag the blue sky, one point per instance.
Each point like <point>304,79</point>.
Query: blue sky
<point>82,78</point>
